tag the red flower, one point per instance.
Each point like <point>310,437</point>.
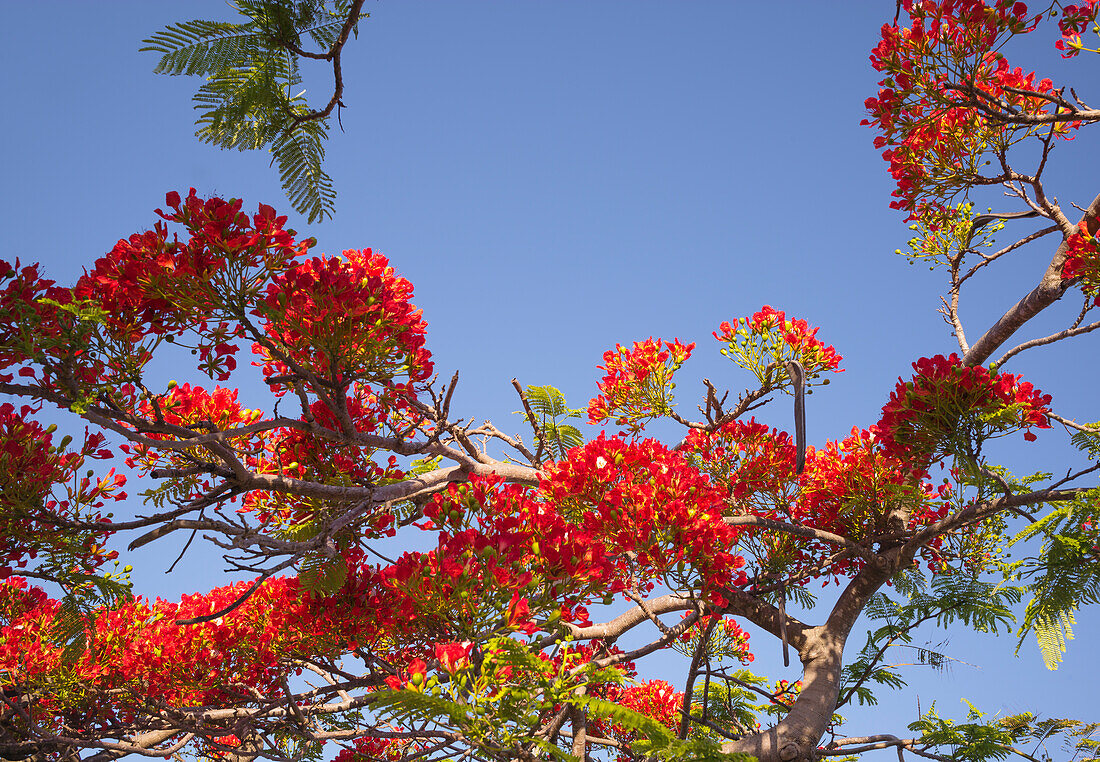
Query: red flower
<point>769,340</point>
<point>946,401</point>
<point>346,319</point>
<point>454,657</point>
<point>935,139</point>
<point>638,384</point>
<point>1083,261</point>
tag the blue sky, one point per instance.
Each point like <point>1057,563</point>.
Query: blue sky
<point>555,178</point>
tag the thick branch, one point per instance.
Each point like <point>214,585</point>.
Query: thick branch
<point>1050,289</point>
<point>804,531</point>
<point>872,743</point>
<point>1047,340</point>
<point>985,509</point>
<point>821,652</point>
<point>635,616</point>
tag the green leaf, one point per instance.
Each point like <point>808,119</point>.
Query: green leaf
<point>299,153</point>
<point>1063,576</point>
<point>981,605</point>
<point>321,575</point>
<point>424,707</point>
<point>1088,441</point>
<point>550,410</point>
<point>201,47</point>
<point>657,740</point>
<point>979,739</point>
<point>252,94</point>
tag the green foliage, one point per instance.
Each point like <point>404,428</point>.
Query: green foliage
<point>301,531</point>
<point>979,739</point>
<point>85,595</point>
<point>1088,442</point>
<point>172,492</point>
<point>499,702</point>
<point>551,414</point>
<point>800,596</point>
<point>294,746</point>
<point>739,701</point>
<point>421,466</point>
<point>1065,574</point>
<point>496,713</point>
<point>719,647</point>
<point>981,605</point>
<point>982,546</point>
<point>299,151</point>
<point>321,574</point>
<point>944,236</point>
<point>252,95</point>
<point>657,741</point>
<point>973,740</point>
<point>423,706</point>
<point>728,704</point>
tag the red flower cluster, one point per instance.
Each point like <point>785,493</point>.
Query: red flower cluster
<point>190,410</point>
<point>375,749</point>
<point>852,487</point>
<point>1075,19</point>
<point>637,384</point>
<point>219,747</point>
<point>453,657</point>
<point>32,518</point>
<point>947,401</point>
<point>30,320</point>
<point>727,640</point>
<point>769,339</point>
<point>648,504</point>
<point>503,554</point>
<point>614,516</point>
<point>753,463</point>
<point>137,654</point>
<point>848,488</point>
<point>417,672</point>
<point>785,693</point>
<point>507,553</point>
<point>344,319</point>
<point>150,285</point>
<point>655,699</point>
<point>1083,261</point>
<point>935,143</point>
<point>299,454</point>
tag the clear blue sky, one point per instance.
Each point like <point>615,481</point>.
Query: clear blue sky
<point>558,177</point>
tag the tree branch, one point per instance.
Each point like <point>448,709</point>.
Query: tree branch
<point>1050,289</point>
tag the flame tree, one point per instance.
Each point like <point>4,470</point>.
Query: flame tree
<point>559,563</point>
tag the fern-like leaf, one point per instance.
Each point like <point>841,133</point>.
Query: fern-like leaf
<point>1051,633</point>
<point>551,413</point>
<point>422,707</point>
<point>1064,576</point>
<point>299,154</point>
<point>981,605</point>
<point>250,98</point>
<point>321,575</point>
<point>657,740</point>
<point>1088,441</point>
<point>547,401</point>
<point>201,47</point>
<point>325,35</point>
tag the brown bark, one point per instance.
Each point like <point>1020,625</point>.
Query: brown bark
<point>821,650</point>
<point>1050,289</point>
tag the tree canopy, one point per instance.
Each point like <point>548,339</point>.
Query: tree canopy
<point>554,567</point>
